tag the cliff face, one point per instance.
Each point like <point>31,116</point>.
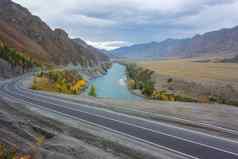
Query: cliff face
<point>217,43</point>
<point>29,34</point>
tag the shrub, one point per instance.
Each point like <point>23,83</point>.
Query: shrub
<point>139,78</point>
<point>203,99</point>
<point>234,103</point>
<point>40,140</point>
<point>78,86</point>
<point>148,88</point>
<point>131,84</point>
<point>92,91</point>
<point>7,153</point>
<point>184,99</point>
<point>172,98</point>
<point>68,82</point>
<point>170,80</point>
<point>164,97</point>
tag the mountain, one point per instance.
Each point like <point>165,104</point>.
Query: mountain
<point>231,60</point>
<point>28,34</point>
<point>99,55</point>
<point>235,59</point>
<point>217,43</point>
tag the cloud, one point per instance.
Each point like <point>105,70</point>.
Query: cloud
<point>212,17</point>
<point>135,21</point>
<point>109,45</point>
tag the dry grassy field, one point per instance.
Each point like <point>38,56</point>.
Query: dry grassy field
<point>196,78</point>
<point>191,70</point>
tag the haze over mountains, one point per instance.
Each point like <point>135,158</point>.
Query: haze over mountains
<point>217,43</point>
<point>21,30</point>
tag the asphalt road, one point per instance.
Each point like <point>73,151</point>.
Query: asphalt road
<point>185,142</point>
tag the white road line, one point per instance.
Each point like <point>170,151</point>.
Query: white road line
<point>177,119</point>
<point>106,128</point>
<point>204,145</point>
<point>132,117</point>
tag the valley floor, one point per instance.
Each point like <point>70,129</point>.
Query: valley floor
<point>195,69</point>
<point>196,78</point>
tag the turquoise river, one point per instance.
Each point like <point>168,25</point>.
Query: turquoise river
<point>113,84</point>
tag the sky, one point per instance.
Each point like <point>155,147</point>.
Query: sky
<point>109,24</point>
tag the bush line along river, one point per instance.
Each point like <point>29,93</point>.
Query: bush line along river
<point>113,84</point>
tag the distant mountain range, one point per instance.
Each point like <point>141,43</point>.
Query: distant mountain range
<point>21,30</point>
<point>217,43</point>
<point>232,60</point>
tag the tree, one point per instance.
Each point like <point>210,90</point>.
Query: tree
<point>92,91</point>
<point>148,88</point>
<point>15,59</point>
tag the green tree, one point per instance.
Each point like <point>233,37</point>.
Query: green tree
<point>92,91</point>
<point>16,59</point>
<point>148,88</point>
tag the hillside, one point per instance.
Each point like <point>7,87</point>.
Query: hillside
<point>13,63</point>
<point>6,71</point>
<point>231,60</point>
<point>98,54</point>
<point>235,59</point>
<point>217,43</point>
<point>27,33</point>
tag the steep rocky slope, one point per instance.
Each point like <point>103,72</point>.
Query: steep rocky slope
<point>217,43</point>
<point>29,34</point>
<point>98,54</point>
<point>6,71</point>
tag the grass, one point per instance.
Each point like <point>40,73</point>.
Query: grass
<point>141,78</point>
<point>188,69</point>
<point>218,81</point>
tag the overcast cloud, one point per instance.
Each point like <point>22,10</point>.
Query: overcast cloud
<point>110,24</point>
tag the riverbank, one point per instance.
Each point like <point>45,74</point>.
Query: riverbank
<point>91,73</point>
<point>69,80</point>
<point>113,84</point>
<point>193,81</point>
<point>141,81</point>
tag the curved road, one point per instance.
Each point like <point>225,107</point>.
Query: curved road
<point>185,142</point>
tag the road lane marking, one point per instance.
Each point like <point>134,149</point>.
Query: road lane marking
<point>132,117</point>
<point>172,136</point>
<point>106,128</point>
<point>160,116</point>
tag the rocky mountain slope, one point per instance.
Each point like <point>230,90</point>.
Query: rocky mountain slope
<point>6,71</point>
<point>98,54</point>
<point>29,34</point>
<point>217,43</point>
